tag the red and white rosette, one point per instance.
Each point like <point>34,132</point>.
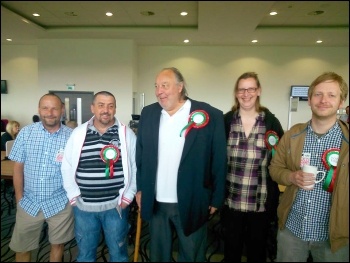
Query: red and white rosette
<point>109,154</point>
<point>271,141</point>
<point>330,159</point>
<point>197,119</point>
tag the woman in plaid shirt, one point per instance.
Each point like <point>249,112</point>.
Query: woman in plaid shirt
<point>251,197</point>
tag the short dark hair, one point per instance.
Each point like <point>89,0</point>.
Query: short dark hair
<point>105,93</point>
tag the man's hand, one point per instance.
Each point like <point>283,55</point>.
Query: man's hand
<point>301,179</point>
<point>123,205</point>
<point>212,210</point>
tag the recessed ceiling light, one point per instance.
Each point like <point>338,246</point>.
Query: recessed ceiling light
<point>319,41</point>
<point>9,39</point>
<point>186,41</point>
<point>36,14</point>
<point>254,41</point>
<point>183,13</point>
<point>147,13</point>
<point>273,13</point>
<point>109,14</point>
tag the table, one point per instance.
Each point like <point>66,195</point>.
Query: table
<point>7,175</point>
<point>6,167</point>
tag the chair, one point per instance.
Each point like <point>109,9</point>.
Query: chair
<point>7,189</point>
<point>8,147</point>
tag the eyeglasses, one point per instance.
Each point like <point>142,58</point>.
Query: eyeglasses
<point>250,90</point>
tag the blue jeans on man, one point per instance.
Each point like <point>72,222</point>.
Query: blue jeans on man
<point>88,232</point>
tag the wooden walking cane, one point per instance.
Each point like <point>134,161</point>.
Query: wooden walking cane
<point>138,234</point>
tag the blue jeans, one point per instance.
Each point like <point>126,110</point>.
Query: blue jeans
<point>88,232</point>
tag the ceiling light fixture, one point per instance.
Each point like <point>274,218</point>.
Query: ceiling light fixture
<point>183,13</point>
<point>186,41</point>
<point>273,13</point>
<point>25,20</point>
<point>147,13</point>
<point>9,39</point>
<point>36,14</point>
<point>319,41</point>
<point>109,14</point>
<point>254,41</point>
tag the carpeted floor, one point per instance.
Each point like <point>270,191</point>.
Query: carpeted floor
<point>214,250</point>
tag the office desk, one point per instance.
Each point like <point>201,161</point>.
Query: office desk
<point>7,175</point>
<point>6,167</point>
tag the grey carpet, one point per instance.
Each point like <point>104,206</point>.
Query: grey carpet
<point>214,250</point>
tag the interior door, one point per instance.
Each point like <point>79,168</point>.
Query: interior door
<point>71,98</point>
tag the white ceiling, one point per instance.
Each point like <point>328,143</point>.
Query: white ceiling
<point>207,23</point>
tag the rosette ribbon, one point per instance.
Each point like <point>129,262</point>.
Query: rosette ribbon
<point>109,154</point>
<point>197,119</point>
<point>271,141</point>
<point>330,159</point>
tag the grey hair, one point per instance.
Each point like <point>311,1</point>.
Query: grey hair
<point>179,78</point>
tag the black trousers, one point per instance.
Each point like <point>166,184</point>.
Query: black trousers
<point>244,229</point>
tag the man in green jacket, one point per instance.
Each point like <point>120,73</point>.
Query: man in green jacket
<point>315,221</point>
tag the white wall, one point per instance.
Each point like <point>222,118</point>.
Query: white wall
<point>19,66</point>
<point>211,72</point>
<point>92,65</point>
<point>123,68</point>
